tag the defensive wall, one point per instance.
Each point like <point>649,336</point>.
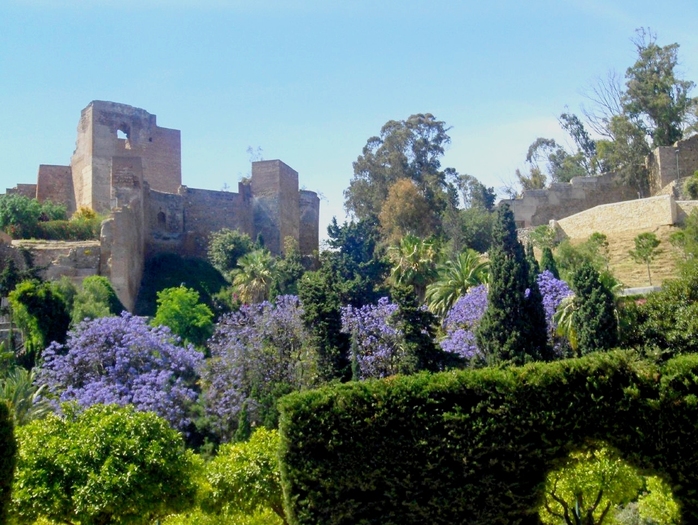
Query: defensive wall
<point>127,167</point>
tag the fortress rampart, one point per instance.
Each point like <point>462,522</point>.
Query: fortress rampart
<point>129,168</point>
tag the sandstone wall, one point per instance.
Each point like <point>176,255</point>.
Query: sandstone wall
<point>561,200</point>
<point>26,190</point>
<point>639,214</point>
<point>55,183</point>
<point>276,203</point>
<point>663,164</point>
<point>75,260</point>
<point>309,229</point>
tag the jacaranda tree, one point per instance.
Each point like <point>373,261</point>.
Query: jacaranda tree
<point>123,360</point>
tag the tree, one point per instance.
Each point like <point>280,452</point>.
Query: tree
<point>108,464</point>
<point>180,310</point>
<point>96,298</point>
<point>42,316</point>
<point>655,98</point>
<point>288,270</point>
<point>253,277</point>
<point>475,194</point>
<point>407,149</point>
<point>513,326</point>
<point>8,453</point>
<point>258,354</point>
<point>245,477</point>
<point>587,488</point>
<point>455,278</point>
<point>547,262</point>
<point>646,250</point>
<point>226,247</point>
<point>405,212</point>
<point>122,360</point>
<point>23,396</point>
<point>414,263</point>
<point>594,318</point>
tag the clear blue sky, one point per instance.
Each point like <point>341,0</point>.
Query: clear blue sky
<point>309,81</point>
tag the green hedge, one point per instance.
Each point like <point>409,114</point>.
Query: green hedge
<point>475,446</point>
<point>8,449</point>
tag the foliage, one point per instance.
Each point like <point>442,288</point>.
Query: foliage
<point>646,249</point>
<point>461,322</point>
<point>96,298</point>
<point>475,446</point>
<point>475,194</point>
<point>253,277</point>
<point>655,98</point>
<point>405,211</point>
<point>594,318</point>
<point>225,247</point>
<point>513,326</point>
<point>288,270</point>
<point>690,186</point>
<point>547,262</point>
<point>475,230</point>
<point>180,310</point>
<point>593,251</point>
<point>8,450</point>
<point>19,215</point>
<point>375,341</point>
<point>42,316</point>
<point>414,263</point>
<point>244,477</point>
<point>407,149</point>
<point>107,465</point>
<point>587,487</point>
<point>455,278</point>
<point>23,396</point>
<point>258,354</point>
<point>122,360</point>
<point>169,270</point>
<point>543,237</point>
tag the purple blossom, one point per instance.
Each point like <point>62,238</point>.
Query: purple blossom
<point>123,360</point>
<point>462,320</point>
<point>377,345</point>
<point>257,354</point>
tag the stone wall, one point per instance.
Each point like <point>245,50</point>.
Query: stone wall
<point>56,259</point>
<point>309,229</point>
<point>537,207</point>
<point>26,190</point>
<point>276,203</point>
<point>55,183</point>
<point>669,163</point>
<point>639,214</point>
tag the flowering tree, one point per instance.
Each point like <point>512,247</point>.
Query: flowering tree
<point>376,345</point>
<point>122,360</point>
<point>258,354</point>
<point>462,320</point>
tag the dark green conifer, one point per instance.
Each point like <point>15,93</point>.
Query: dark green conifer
<point>513,327</point>
<point>533,267</point>
<point>547,262</point>
<point>594,319</point>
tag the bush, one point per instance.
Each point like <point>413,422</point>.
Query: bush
<point>106,465</point>
<point>690,186</point>
<point>475,446</point>
<point>8,449</point>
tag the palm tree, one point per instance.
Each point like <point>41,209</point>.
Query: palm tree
<point>564,319</point>
<point>252,279</point>
<point>414,263</point>
<point>455,278</point>
<point>23,397</point>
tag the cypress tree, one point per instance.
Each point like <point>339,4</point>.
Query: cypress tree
<point>547,262</point>
<point>533,267</point>
<point>512,328</point>
<point>594,319</point>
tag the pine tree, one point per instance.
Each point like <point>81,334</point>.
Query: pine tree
<point>513,327</point>
<point>547,262</point>
<point>594,318</point>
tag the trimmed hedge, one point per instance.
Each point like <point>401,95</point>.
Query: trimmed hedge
<point>8,450</point>
<point>475,446</point>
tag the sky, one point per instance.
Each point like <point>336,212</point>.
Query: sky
<point>310,81</point>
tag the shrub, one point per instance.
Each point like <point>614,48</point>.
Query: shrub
<point>474,446</point>
<point>107,465</point>
<point>8,449</point>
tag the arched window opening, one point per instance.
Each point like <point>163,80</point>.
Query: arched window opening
<point>123,132</point>
<point>596,486</point>
<point>162,221</point>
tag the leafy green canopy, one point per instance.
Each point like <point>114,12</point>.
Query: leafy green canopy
<point>106,465</point>
<point>8,449</point>
<point>475,446</point>
<point>179,309</point>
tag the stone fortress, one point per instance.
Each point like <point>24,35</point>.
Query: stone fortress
<point>601,204</point>
<point>128,168</point>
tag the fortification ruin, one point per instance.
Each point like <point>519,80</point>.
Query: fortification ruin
<point>667,166</point>
<point>129,168</point>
